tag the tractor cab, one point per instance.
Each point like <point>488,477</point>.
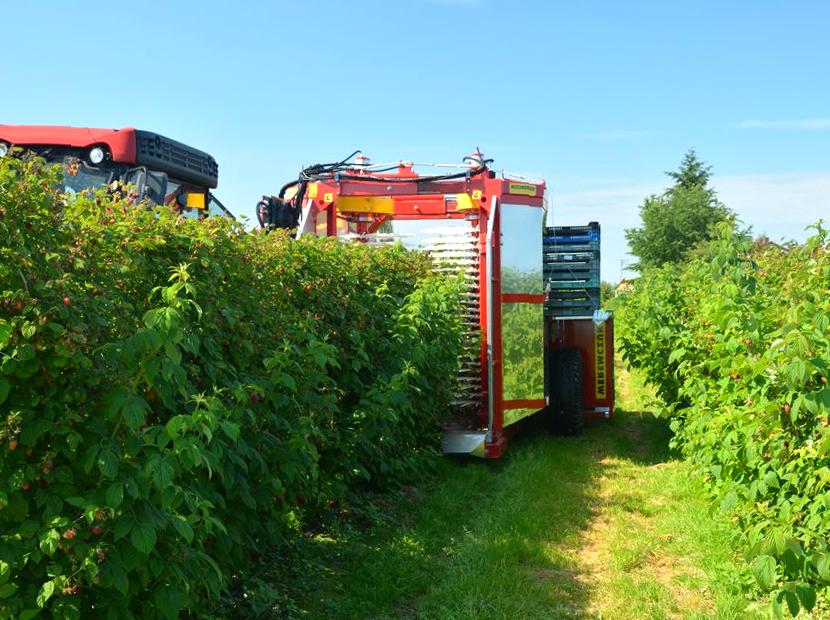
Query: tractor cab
<point>161,170</point>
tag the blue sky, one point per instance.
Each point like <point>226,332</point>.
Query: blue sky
<point>599,98</point>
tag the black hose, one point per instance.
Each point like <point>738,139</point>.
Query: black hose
<point>310,173</point>
<point>320,172</point>
<point>261,206</point>
<point>425,179</point>
<point>300,196</point>
<point>286,187</point>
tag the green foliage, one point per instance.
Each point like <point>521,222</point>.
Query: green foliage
<point>738,347</point>
<point>607,290</point>
<point>433,551</point>
<point>692,173</point>
<point>679,219</point>
<point>177,397</point>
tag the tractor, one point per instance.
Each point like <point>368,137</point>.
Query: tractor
<point>161,170</point>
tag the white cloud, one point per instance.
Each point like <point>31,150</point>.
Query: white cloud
<point>780,206</point>
<point>801,124</point>
<point>615,207</point>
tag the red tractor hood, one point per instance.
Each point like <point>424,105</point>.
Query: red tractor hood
<point>121,142</point>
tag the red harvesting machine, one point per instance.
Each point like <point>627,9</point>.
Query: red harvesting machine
<point>536,341</point>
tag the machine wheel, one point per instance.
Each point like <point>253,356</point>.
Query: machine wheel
<point>565,415</point>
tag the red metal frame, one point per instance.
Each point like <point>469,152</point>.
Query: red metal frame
<point>437,200</point>
<point>597,351</point>
<point>498,441</point>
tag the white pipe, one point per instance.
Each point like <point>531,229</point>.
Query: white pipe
<point>491,219</point>
<point>306,218</point>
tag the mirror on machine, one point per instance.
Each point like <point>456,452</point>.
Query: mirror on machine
<point>521,320</point>
<point>149,184</point>
<point>156,187</point>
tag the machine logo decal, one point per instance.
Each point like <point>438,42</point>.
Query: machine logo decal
<point>522,189</point>
<point>599,361</point>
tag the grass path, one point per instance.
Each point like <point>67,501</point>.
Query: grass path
<point>606,525</point>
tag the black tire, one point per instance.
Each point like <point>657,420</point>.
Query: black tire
<point>565,415</point>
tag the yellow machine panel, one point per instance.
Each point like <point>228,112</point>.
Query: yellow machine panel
<point>366,204</point>
<point>463,202</point>
<point>195,200</point>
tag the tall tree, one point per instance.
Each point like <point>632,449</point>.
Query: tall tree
<point>692,172</point>
<point>680,218</point>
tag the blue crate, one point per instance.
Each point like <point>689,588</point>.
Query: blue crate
<point>593,246</point>
<point>566,268</point>
<point>571,284</point>
<point>592,237</point>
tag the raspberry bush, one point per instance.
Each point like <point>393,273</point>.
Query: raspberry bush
<point>737,345</point>
<point>178,396</point>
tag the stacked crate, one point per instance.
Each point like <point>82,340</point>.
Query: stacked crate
<point>571,270</point>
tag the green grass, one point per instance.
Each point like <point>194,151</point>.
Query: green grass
<point>607,525</point>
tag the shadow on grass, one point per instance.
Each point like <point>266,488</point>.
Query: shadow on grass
<point>479,539</point>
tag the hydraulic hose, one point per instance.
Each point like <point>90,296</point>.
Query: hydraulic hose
<point>320,172</point>
<point>261,209</point>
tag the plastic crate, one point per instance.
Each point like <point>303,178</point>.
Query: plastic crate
<point>569,311</point>
<point>584,273</point>
<point>564,269</point>
<point>557,256</point>
<point>571,268</point>
<point>570,239</point>
<point>591,283</point>
<point>590,227</point>
<point>574,294</point>
<point>565,248</point>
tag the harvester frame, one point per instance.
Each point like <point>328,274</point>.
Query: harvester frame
<point>497,226</point>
